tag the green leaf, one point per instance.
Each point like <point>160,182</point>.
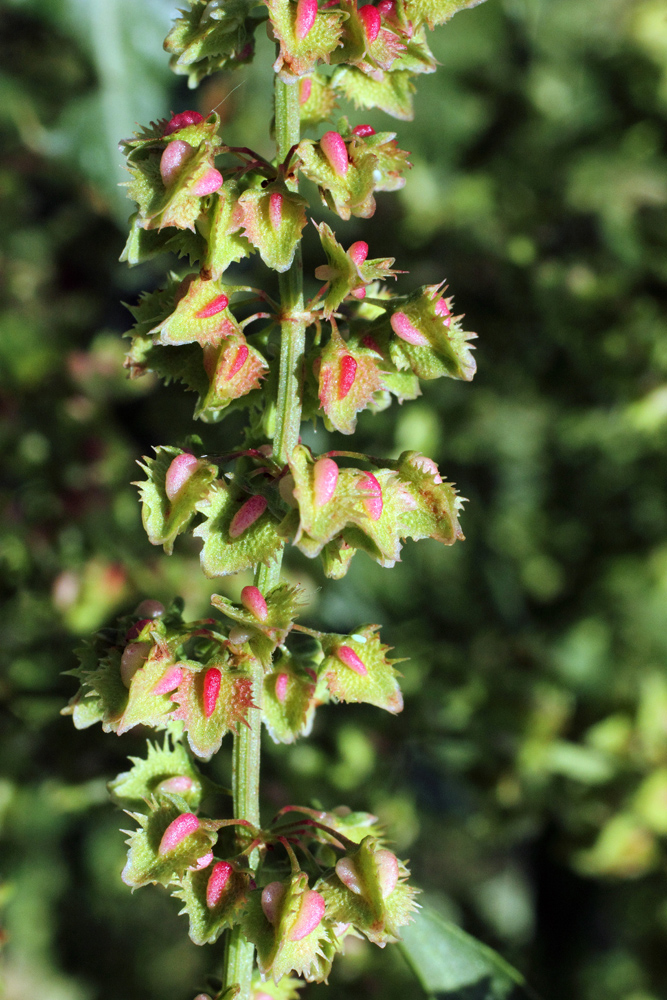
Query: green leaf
<point>452,964</point>
<point>390,92</point>
<point>222,40</point>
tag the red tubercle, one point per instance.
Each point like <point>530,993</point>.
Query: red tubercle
<point>333,146</point>
<point>251,510</point>
<point>169,682</point>
<point>358,293</point>
<point>442,309</point>
<point>238,362</point>
<point>363,131</point>
<point>372,21</point>
<point>214,307</point>
<point>348,656</point>
<point>373,503</point>
<point>179,472</point>
<point>210,181</point>
<point>182,120</point>
<point>173,159</point>
<point>305,90</point>
<point>276,209</point>
<point>282,683</point>
<point>212,681</point>
<point>407,331</point>
<point>348,372</point>
<point>217,883</point>
<point>370,342</point>
<point>306,12</point>
<point>136,629</point>
<point>253,601</point>
<point>177,831</point>
<point>358,252</point>
<point>325,480</point>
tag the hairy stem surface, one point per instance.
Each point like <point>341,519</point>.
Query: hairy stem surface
<point>247,743</point>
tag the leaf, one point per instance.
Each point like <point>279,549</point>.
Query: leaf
<point>234,700</point>
<point>223,554</point>
<point>208,922</point>
<point>389,91</point>
<point>163,518</point>
<point>162,763</point>
<point>299,56</point>
<point>347,379</point>
<point>343,674</point>
<point>452,964</point>
<point>144,862</point>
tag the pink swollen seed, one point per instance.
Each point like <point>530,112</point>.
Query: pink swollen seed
<point>325,479</point>
<point>348,656</point>
<point>282,682</point>
<point>209,182</point>
<point>136,629</point>
<point>358,252</point>
<point>251,510</point>
<point>134,656</point>
<point>272,896</point>
<point>212,681</point>
<point>238,362</point>
<point>363,131</point>
<point>387,866</point>
<point>180,784</point>
<point>305,90</point>
<point>373,503</point>
<point>406,330</point>
<point>306,12</point>
<point>442,308</point>
<point>387,8</point>
<point>214,307</point>
<point>178,473</point>
<point>348,371</point>
<point>372,21</point>
<point>182,120</point>
<point>276,209</point>
<point>217,883</point>
<point>358,293</point>
<point>333,146</point>
<point>150,609</point>
<point>169,682</point>
<point>310,915</point>
<point>346,870</point>
<point>173,159</point>
<point>202,862</point>
<point>177,831</point>
<point>253,600</point>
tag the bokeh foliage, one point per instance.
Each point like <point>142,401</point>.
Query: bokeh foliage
<point>527,776</point>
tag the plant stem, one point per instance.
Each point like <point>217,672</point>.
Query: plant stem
<point>247,743</point>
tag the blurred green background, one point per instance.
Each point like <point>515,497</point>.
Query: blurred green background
<point>527,777</point>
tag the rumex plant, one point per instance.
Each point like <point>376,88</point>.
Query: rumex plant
<point>289,892</point>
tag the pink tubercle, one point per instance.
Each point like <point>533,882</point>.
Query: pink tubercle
<point>251,510</point>
<point>372,502</point>
<point>169,682</point>
<point>133,658</point>
<point>388,872</point>
<point>276,209</point>
<point>217,883</point>
<point>325,479</point>
<point>363,131</point>
<point>179,472</point>
<point>202,862</point>
<point>137,629</point>
<point>212,681</point>
<point>442,309</point>
<point>253,600</point>
<point>310,915</point>
<point>173,159</point>
<point>358,252</point>
<point>358,293</point>
<point>368,341</point>
<point>305,90</point>
<point>387,9</point>
<point>306,12</point>
<point>180,784</point>
<point>238,362</point>
<point>346,870</point>
<point>348,372</point>
<point>177,831</point>
<point>182,120</point>
<point>333,146</point>
<point>407,331</point>
<point>272,897</point>
<point>210,181</point>
<point>214,307</point>
<point>348,656</point>
<point>372,21</point>
<point>282,682</point>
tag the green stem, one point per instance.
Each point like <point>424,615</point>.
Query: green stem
<point>246,753</point>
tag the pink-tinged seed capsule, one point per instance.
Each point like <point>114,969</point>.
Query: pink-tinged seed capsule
<point>238,362</point>
<point>346,871</point>
<point>325,479</point>
<point>217,883</point>
<point>251,510</point>
<point>209,182</point>
<point>177,831</point>
<point>333,146</point>
<point>180,784</point>
<point>178,473</point>
<point>358,252</point>
<point>214,307</point>
<point>373,503</point>
<point>136,629</point>
<point>173,159</point>
<point>305,90</point>
<point>306,12</point>
<point>282,682</point>
<point>182,120</point>
<point>272,897</point>
<point>406,330</point>
<point>202,862</point>
<point>253,600</point>
<point>348,656</point>
<point>363,131</point>
<point>387,865</point>
<point>348,371</point>
<point>372,21</point>
<point>169,682</point>
<point>276,209</point>
<point>133,658</point>
<point>310,915</point>
<point>212,681</point>
<point>150,609</point>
